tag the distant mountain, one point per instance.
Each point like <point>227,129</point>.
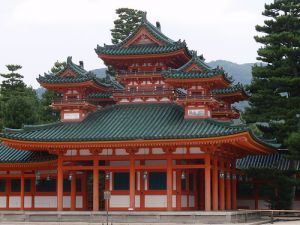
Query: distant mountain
<point>240,72</point>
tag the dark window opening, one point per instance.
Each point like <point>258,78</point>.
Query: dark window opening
<point>121,181</point>
<point>2,185</point>
<point>183,184</point>
<point>157,181</point>
<point>15,185</point>
<point>46,186</point>
<point>191,182</point>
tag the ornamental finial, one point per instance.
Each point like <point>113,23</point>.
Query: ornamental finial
<point>144,16</point>
<point>69,59</point>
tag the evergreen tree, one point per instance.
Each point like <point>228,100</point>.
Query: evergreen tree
<point>127,22</point>
<point>58,66</point>
<point>13,82</point>
<point>275,98</point>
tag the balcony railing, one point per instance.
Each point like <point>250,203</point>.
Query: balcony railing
<point>140,73</point>
<point>143,92</point>
<point>81,101</point>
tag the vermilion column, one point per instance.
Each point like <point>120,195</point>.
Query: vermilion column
<point>207,176</point>
<point>228,187</point>
<point>60,178</point>
<point>84,190</point>
<point>95,186</point>
<point>222,186</point>
<point>169,183</point>
<point>132,183</point>
<point>215,184</point>
<point>22,191</point>
<point>233,187</point>
<point>73,192</point>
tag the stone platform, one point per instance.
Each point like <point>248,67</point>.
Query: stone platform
<point>186,217</point>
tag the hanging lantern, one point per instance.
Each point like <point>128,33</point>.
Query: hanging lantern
<point>107,176</point>
<point>240,178</point>
<point>221,174</point>
<point>37,176</point>
<point>183,175</point>
<point>145,175</point>
<point>70,176</point>
<point>48,177</point>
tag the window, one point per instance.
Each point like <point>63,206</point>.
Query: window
<point>27,185</point>
<point>157,181</point>
<point>2,185</point>
<point>183,184</point>
<point>191,182</point>
<point>78,185</point>
<point>46,186</point>
<point>121,181</point>
<point>15,185</point>
<point>67,185</point>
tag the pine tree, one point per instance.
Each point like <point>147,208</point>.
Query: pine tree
<point>275,99</point>
<point>127,22</point>
<point>13,82</point>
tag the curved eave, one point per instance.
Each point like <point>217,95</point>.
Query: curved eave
<point>183,52</point>
<point>241,95</point>
<point>243,140</point>
<point>61,86</point>
<point>12,165</point>
<point>217,79</point>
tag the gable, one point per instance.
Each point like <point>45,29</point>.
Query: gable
<point>143,36</point>
<point>68,73</point>
<point>194,67</point>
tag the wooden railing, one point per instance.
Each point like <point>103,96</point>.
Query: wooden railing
<point>142,92</point>
<point>58,101</point>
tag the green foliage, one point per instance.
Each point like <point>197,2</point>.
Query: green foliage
<point>128,20</point>
<point>275,186</point>
<point>275,86</point>
<point>13,82</point>
<point>20,110</point>
<point>294,144</point>
<point>58,66</point>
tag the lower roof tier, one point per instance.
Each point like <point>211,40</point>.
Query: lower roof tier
<point>11,155</point>
<point>161,121</point>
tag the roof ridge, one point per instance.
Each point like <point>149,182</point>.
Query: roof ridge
<point>31,127</point>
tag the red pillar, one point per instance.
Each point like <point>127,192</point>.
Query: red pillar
<point>169,183</point>
<point>60,178</point>
<point>95,186</point>
<point>233,187</point>
<point>228,187</point>
<point>215,184</point>
<point>132,183</point>
<point>22,192</point>
<point>73,192</point>
<point>84,190</point>
<point>207,176</point>
<point>222,186</point>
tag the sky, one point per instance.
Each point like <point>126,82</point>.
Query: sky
<point>36,33</point>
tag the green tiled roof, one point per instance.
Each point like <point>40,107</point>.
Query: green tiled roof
<point>274,161</point>
<point>81,76</point>
<point>141,49</point>
<point>11,155</point>
<point>175,74</point>
<point>128,122</point>
<point>195,60</point>
<point>100,95</point>
<point>227,90</point>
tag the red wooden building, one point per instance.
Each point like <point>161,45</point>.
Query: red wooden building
<point>159,137</point>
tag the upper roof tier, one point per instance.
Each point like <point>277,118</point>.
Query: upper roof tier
<point>73,75</point>
<point>145,41</point>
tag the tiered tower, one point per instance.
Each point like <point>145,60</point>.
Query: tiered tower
<point>153,68</point>
<point>78,91</point>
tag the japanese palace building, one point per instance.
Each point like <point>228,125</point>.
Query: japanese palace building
<point>159,136</point>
